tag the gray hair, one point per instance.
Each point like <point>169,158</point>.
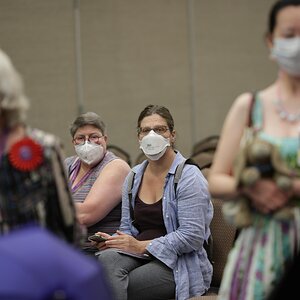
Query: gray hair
<point>89,118</point>
<point>13,102</point>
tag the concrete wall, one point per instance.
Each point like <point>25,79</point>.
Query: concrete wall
<point>194,57</point>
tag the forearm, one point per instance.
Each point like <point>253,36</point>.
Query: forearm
<point>81,216</point>
<point>223,186</point>
<point>296,187</point>
<point>86,216</point>
<point>143,246</point>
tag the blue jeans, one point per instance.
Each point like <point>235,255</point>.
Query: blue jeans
<point>133,278</point>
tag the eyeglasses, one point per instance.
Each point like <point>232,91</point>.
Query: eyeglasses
<point>143,131</point>
<point>92,138</point>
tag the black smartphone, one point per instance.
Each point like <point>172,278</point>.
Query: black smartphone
<point>96,238</point>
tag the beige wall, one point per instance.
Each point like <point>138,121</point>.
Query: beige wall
<point>137,52</point>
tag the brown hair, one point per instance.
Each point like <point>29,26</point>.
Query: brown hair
<point>158,110</point>
<point>275,9</point>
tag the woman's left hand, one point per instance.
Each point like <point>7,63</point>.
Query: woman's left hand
<point>126,242</point>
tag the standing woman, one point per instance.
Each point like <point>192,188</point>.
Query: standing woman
<point>262,250</point>
<point>169,228</point>
<point>96,177</point>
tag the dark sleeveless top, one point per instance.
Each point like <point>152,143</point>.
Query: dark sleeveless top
<point>149,219</point>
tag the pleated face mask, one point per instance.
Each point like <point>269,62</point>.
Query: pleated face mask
<point>287,54</point>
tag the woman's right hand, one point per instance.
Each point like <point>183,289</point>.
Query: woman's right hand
<point>266,196</point>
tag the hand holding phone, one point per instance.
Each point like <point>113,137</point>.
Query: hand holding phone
<point>96,238</point>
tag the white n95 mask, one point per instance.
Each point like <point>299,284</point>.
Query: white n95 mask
<point>154,145</point>
<point>287,54</point>
<point>90,153</point>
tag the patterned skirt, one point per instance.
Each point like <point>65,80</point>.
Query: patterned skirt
<point>259,257</point>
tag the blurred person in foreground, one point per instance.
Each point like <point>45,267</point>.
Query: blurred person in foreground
<point>39,258</point>
<point>268,243</point>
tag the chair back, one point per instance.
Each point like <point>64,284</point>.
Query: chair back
<point>209,143</point>
<point>203,153</point>
<point>224,235</point>
<point>120,153</point>
<point>140,158</point>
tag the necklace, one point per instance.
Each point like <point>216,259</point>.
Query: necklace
<point>284,114</point>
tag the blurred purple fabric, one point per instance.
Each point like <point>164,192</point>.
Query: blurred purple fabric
<point>36,265</point>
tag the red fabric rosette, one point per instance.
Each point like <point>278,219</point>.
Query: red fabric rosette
<point>26,155</point>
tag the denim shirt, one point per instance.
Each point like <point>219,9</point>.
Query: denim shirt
<point>187,217</point>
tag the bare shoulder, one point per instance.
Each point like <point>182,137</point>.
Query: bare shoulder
<point>118,164</point>
<point>243,101</point>
<point>239,111</point>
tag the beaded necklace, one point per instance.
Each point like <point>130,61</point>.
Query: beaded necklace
<point>283,113</point>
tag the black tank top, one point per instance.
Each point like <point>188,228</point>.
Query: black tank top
<point>149,219</point>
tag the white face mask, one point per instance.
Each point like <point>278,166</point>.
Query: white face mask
<point>154,145</point>
<point>90,153</point>
<point>287,54</point>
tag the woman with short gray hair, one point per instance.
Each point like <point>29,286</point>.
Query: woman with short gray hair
<point>96,176</point>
